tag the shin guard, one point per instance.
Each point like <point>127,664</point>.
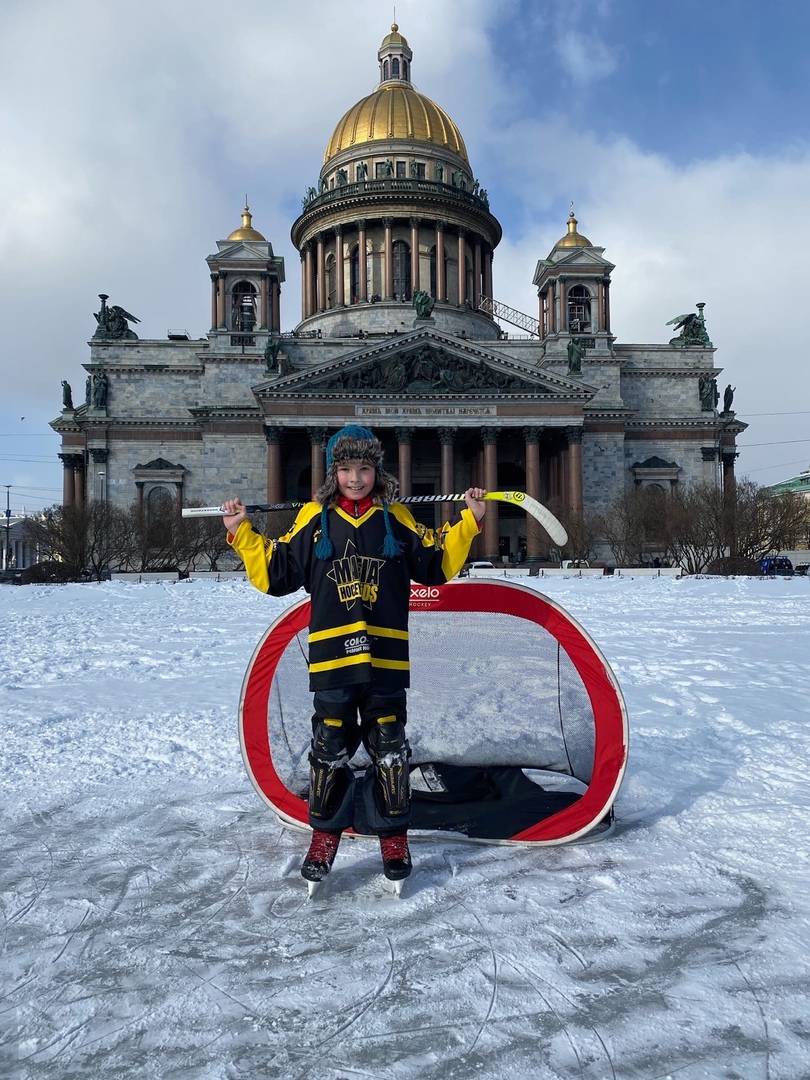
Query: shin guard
<point>391,752</point>
<point>329,775</point>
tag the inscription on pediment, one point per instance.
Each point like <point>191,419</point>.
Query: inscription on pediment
<point>426,371</point>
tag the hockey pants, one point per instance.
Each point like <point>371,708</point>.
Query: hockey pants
<point>343,719</point>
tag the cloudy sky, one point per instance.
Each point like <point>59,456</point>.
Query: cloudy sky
<point>131,133</point>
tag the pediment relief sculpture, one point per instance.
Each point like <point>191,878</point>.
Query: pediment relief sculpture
<point>426,371</point>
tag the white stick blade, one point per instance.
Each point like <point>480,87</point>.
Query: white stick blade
<point>540,513</point>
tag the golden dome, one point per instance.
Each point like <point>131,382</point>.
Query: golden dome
<point>573,238</point>
<point>395,111</point>
<point>246,230</point>
<point>394,38</point>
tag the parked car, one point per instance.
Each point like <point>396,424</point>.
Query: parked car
<point>478,564</point>
<point>776,566</point>
<point>802,569</point>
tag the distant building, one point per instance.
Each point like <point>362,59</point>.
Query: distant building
<point>399,330</point>
<point>16,551</point>
<point>799,484</point>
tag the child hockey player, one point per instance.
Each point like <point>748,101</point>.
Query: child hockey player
<point>356,550</point>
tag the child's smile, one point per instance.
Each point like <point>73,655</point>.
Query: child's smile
<point>356,479</point>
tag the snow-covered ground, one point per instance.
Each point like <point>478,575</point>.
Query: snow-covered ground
<point>155,924</point>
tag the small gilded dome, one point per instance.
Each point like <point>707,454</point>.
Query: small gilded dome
<point>246,230</point>
<point>395,111</point>
<point>573,238</point>
<point>394,38</point>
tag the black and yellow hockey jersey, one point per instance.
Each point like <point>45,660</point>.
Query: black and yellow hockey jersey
<point>358,628</point>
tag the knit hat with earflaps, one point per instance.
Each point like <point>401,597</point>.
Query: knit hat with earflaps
<point>355,443</point>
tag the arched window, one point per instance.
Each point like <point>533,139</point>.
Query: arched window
<point>160,515</point>
<point>385,69</point>
<point>395,68</point>
<point>579,309</point>
<point>401,253</point>
<point>243,307</point>
<point>404,69</point>
<point>354,274</point>
<point>331,281</point>
<point>159,502</point>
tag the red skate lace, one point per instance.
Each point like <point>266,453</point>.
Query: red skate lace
<point>395,847</point>
<point>323,846</point>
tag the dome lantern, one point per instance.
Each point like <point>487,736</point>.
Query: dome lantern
<point>395,57</point>
<point>573,238</point>
<point>246,230</point>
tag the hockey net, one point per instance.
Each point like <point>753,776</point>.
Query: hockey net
<point>500,677</point>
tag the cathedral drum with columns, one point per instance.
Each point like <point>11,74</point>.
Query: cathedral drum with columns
<point>398,332</point>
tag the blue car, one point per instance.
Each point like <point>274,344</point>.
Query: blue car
<point>776,566</point>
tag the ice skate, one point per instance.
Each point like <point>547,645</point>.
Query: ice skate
<point>396,858</point>
<point>319,858</point>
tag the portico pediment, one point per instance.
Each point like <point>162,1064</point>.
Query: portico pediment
<point>425,363</point>
<point>240,252</point>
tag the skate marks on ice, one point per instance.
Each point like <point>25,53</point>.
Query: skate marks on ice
<point>154,922</point>
<point>177,940</point>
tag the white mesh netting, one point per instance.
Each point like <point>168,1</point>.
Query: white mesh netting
<point>486,689</point>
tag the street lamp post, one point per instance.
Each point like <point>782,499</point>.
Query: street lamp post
<point>7,548</point>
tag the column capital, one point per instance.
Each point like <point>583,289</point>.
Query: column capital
<point>387,222</point>
<point>273,435</point>
<point>490,435</point>
<point>441,226</point>
<point>317,435</point>
<point>339,229</point>
<point>405,435</point>
<point>447,436</point>
<point>215,275</point>
<point>532,434</point>
<point>361,224</point>
<point>414,222</point>
<point>729,457</point>
<point>574,434</point>
<point>462,232</point>
<point>71,461</point>
<point>99,455</point>
<point>709,453</point>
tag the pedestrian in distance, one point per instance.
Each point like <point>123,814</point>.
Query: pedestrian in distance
<point>355,550</point>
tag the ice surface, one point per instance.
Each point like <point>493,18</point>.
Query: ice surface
<point>155,923</point>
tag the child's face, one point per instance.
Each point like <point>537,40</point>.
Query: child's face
<point>355,479</point>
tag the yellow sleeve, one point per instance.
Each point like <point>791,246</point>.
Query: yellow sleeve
<point>255,551</point>
<point>437,556</point>
<point>276,566</point>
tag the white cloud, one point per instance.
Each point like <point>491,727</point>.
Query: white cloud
<point>584,58</point>
<point>731,232</point>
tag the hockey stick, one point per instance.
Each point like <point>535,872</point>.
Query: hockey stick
<point>518,498</point>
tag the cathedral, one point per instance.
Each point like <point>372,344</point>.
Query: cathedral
<point>399,331</point>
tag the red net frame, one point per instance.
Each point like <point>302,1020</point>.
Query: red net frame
<point>607,704</point>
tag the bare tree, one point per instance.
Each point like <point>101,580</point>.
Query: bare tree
<point>763,523</point>
<point>86,539</point>
<point>698,527</point>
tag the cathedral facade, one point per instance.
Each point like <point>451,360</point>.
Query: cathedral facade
<point>399,331</point>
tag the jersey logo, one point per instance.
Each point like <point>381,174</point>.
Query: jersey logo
<point>357,577</point>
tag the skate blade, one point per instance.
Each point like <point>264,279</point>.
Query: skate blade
<point>396,886</point>
<point>312,888</point>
